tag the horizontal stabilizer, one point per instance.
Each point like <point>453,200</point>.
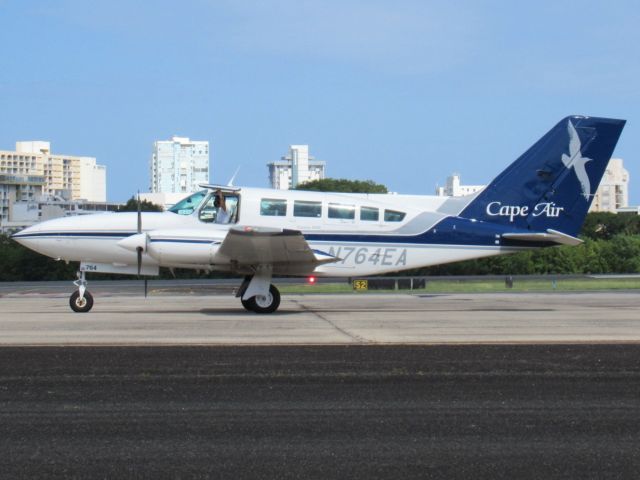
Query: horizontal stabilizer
<point>550,235</point>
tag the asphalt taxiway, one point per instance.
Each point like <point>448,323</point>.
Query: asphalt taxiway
<point>34,318</point>
<point>353,411</point>
<point>189,385</point>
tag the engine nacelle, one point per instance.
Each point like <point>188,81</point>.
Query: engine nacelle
<point>171,247</point>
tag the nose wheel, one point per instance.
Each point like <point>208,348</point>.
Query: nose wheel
<point>81,304</point>
<point>81,300</point>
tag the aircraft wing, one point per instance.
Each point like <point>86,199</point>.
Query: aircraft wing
<point>286,250</point>
<point>550,236</point>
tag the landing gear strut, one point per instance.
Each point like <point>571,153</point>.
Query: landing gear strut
<point>81,300</point>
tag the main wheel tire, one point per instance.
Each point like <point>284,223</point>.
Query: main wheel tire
<point>81,305</point>
<point>266,304</point>
<point>248,304</point>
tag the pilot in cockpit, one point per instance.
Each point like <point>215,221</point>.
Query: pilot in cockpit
<point>222,215</point>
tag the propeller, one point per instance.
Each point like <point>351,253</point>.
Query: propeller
<point>139,250</point>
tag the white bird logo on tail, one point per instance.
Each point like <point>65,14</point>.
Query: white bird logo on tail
<point>577,161</point>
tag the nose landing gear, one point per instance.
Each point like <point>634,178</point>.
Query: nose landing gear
<point>81,300</point>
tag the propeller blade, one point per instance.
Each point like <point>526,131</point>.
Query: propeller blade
<point>139,251</point>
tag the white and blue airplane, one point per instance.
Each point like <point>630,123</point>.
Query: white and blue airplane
<point>540,200</point>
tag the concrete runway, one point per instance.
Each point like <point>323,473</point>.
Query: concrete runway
<point>33,318</point>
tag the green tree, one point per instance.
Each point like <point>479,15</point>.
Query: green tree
<point>145,206</point>
<point>593,260</point>
<point>343,185</point>
<point>622,254</point>
<point>605,225</point>
<point>19,263</point>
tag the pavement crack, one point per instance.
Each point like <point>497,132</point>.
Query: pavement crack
<point>352,336</point>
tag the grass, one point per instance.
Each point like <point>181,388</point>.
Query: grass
<point>481,286</point>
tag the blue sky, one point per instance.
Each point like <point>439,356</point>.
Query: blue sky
<point>403,92</point>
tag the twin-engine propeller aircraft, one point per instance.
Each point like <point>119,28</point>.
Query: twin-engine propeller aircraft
<point>538,201</point>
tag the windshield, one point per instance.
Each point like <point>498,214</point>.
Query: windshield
<point>187,205</point>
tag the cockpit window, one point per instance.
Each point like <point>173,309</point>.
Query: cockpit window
<point>187,205</point>
<point>211,211</point>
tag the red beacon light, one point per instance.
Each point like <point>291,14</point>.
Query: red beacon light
<point>311,280</point>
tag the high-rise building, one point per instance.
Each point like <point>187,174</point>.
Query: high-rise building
<point>93,180</point>
<point>67,176</point>
<point>179,165</point>
<point>31,174</point>
<point>613,191</point>
<point>453,188</point>
<point>295,168</point>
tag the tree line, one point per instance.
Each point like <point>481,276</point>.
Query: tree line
<point>620,254</point>
<point>611,245</point>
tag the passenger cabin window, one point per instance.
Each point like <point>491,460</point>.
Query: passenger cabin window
<point>210,211</point>
<point>344,212</point>
<point>307,209</point>
<point>369,214</point>
<point>189,204</point>
<point>272,207</point>
<point>393,216</point>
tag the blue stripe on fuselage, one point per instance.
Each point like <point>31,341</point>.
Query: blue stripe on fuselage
<point>74,234</point>
<point>181,240</point>
<point>103,235</point>
<point>449,231</point>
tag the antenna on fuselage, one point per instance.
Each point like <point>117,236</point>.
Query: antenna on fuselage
<point>233,177</point>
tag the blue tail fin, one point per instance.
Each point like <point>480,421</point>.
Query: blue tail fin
<point>551,186</point>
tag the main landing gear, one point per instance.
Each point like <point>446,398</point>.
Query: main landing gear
<point>268,303</point>
<point>81,300</point>
<point>258,294</point>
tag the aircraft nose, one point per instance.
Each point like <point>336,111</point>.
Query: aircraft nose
<point>23,236</point>
<point>43,237</point>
